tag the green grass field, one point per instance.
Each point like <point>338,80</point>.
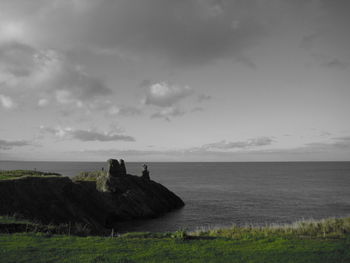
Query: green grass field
<point>40,248</point>
<point>299,242</point>
<point>15,174</point>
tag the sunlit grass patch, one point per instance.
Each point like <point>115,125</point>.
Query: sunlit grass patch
<point>14,174</point>
<point>88,176</point>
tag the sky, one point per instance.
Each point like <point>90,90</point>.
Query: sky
<point>165,80</point>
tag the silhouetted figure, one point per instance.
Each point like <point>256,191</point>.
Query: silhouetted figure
<point>145,172</point>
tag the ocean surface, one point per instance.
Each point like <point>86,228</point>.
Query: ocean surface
<point>222,194</point>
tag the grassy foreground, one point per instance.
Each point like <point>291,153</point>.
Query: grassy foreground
<point>311,241</point>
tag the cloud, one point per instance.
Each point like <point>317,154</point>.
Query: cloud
<point>307,42</point>
<point>193,32</point>
<point>113,110</point>
<point>223,145</point>
<point>183,33</point>
<point>197,109</point>
<point>167,113</point>
<point>86,135</point>
<point>16,59</point>
<point>7,102</point>
<point>220,151</point>
<point>51,74</point>
<point>163,94</point>
<point>335,146</point>
<point>336,64</point>
<point>203,97</point>
<point>7,145</point>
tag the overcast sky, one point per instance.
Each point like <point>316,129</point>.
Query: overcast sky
<point>166,80</point>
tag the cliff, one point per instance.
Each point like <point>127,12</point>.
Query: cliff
<point>60,200</point>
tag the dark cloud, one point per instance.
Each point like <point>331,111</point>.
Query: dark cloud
<point>7,145</point>
<point>183,33</point>
<point>16,59</point>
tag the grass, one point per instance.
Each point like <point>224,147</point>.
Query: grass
<point>88,176</point>
<point>15,174</point>
<point>299,242</point>
<point>330,228</point>
<point>13,220</point>
<point>14,224</point>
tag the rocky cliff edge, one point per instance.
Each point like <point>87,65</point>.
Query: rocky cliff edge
<point>113,197</point>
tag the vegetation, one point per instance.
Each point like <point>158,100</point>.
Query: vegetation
<point>88,176</point>
<point>14,224</point>
<point>307,241</point>
<point>14,174</point>
<point>326,228</point>
<point>13,220</point>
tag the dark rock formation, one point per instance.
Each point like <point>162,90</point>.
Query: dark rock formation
<point>97,204</point>
<point>145,172</point>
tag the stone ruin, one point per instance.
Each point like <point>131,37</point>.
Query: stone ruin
<point>115,168</point>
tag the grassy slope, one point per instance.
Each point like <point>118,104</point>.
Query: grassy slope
<point>39,248</point>
<point>311,241</point>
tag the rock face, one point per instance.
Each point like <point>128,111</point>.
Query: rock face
<point>115,196</point>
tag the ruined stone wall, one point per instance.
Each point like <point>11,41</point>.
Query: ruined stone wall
<point>115,168</point>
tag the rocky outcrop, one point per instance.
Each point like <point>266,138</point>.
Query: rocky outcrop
<point>115,196</point>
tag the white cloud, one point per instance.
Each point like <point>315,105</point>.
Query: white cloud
<point>110,109</point>
<point>6,102</point>
<point>224,145</point>
<point>167,113</point>
<point>43,102</point>
<point>11,31</point>
<point>27,70</point>
<point>163,94</point>
<point>86,135</point>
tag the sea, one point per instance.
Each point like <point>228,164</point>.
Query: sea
<point>220,194</point>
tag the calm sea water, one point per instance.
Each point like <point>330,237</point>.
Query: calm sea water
<point>220,194</point>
